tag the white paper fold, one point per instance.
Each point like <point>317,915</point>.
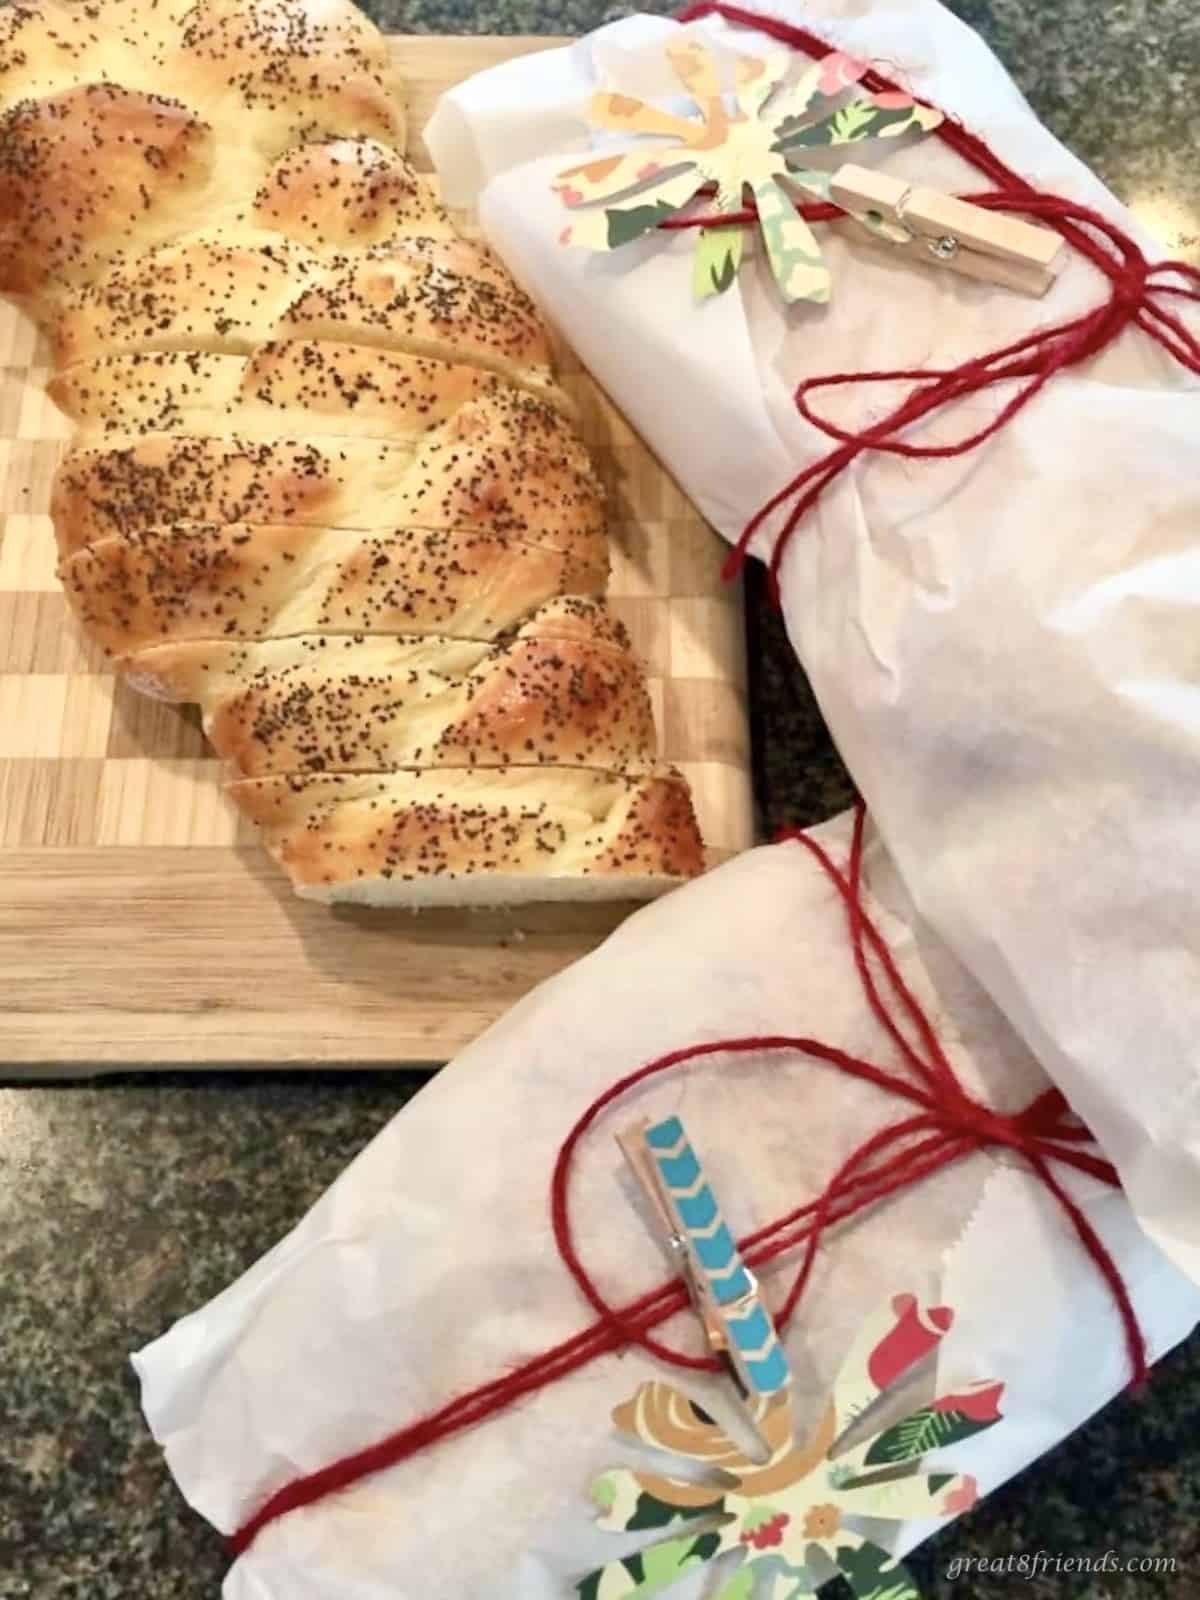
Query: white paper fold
<point>1003,643</point>
<point>429,1266</point>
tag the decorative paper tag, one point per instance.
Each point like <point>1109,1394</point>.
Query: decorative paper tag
<point>759,148</point>
<point>793,1513</point>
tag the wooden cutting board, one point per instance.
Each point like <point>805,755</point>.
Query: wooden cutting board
<point>141,926</point>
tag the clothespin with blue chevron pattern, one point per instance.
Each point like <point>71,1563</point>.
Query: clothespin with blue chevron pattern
<point>737,1323</point>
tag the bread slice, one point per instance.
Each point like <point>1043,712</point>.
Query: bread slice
<point>565,690</point>
<point>513,470</point>
<point>230,293</point>
<point>206,580</point>
<point>285,389</point>
<point>477,837</point>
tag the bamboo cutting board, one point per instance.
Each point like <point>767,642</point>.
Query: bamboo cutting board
<point>140,924</point>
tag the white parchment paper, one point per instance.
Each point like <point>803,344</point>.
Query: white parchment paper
<point>429,1266</point>
<point>1004,644</point>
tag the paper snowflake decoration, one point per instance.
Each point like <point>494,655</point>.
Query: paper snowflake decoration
<point>793,1514</point>
<point>760,147</point>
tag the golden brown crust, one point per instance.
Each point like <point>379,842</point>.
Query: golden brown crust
<point>88,171</point>
<point>49,45</point>
<point>239,581</point>
<point>295,72</point>
<point>325,484</point>
<point>347,193</point>
<point>395,832</point>
<point>204,294</point>
<point>265,73</point>
<point>659,823</point>
<point>287,388</point>
<point>546,699</point>
<point>181,114</point>
<point>512,469</point>
<point>426,295</point>
<point>235,292</point>
<point>555,694</point>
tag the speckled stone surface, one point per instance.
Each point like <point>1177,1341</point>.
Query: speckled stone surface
<point>125,1204</point>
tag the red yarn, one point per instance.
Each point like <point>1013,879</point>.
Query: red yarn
<point>946,1124</point>
<point>811,211</point>
<point>1134,285</point>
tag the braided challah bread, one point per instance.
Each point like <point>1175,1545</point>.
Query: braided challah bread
<point>325,483</point>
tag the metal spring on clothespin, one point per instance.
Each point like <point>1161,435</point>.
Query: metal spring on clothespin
<point>935,228</point>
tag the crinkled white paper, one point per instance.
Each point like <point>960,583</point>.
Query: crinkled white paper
<point>1004,644</point>
<point>429,1267</point>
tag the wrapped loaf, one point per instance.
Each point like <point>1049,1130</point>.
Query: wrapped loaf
<point>1002,641</point>
<point>429,1267</point>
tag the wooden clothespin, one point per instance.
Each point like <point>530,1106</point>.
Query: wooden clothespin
<point>941,231</point>
<point>726,1295</point>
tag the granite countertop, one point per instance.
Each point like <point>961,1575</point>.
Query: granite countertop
<point>126,1203</point>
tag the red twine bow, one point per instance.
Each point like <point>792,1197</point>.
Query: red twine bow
<point>946,1125</point>
<point>1134,291</point>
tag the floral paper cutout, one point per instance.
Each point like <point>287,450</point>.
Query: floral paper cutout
<point>758,148</point>
<point>792,1513</point>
